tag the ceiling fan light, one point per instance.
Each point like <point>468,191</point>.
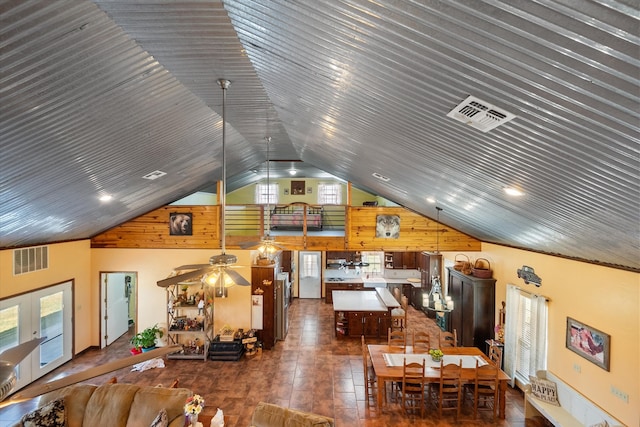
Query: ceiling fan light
<point>211,279</point>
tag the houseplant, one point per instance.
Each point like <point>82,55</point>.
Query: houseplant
<point>146,339</point>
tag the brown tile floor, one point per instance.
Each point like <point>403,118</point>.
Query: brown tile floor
<point>311,370</point>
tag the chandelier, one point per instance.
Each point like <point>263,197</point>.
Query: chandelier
<point>437,301</point>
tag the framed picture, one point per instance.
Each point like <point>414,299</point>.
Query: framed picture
<point>297,188</point>
<point>388,226</point>
<point>590,343</point>
<point>180,224</point>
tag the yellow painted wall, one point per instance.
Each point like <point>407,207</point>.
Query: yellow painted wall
<point>67,261</point>
<point>604,298</point>
<point>154,264</point>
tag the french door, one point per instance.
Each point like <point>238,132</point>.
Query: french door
<point>43,313</point>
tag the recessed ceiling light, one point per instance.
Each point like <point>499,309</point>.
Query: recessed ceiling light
<point>431,200</point>
<point>106,197</point>
<point>513,191</point>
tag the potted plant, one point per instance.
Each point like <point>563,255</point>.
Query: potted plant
<point>146,339</point>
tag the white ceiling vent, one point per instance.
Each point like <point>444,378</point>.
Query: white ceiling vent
<point>154,175</point>
<point>479,114</point>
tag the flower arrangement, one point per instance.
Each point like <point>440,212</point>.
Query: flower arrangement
<point>436,354</point>
<point>194,405</point>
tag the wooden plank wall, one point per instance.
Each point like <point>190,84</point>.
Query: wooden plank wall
<point>417,233</point>
<point>151,230</point>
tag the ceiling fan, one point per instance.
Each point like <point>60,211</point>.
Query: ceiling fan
<point>218,272</point>
<point>268,247</point>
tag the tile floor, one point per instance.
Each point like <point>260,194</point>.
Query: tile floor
<point>311,371</point>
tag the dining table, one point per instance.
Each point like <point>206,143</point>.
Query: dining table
<point>388,366</point>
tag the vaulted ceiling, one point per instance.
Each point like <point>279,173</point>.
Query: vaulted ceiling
<point>96,94</point>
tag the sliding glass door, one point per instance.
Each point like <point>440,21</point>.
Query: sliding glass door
<point>43,313</point>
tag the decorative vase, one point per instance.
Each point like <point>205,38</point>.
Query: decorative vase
<point>436,358</point>
<point>193,420</point>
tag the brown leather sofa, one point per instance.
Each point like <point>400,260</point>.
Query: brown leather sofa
<point>123,405</point>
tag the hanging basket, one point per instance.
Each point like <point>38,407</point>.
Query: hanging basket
<point>459,262</point>
<point>479,269</point>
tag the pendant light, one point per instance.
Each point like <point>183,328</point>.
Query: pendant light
<point>222,274</point>
<point>268,248</point>
<point>438,302</point>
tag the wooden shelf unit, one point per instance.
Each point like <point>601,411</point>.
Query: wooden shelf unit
<point>187,325</point>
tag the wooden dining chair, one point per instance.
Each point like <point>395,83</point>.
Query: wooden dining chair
<point>495,355</point>
<point>421,342</point>
<point>411,389</point>
<point>449,396</point>
<point>397,340</point>
<point>485,393</point>
<point>448,339</point>
<point>398,319</point>
<point>369,374</point>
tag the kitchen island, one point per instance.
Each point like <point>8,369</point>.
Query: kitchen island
<point>364,312</point>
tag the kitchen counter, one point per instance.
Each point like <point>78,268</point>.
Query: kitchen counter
<point>358,301</point>
<point>365,312</point>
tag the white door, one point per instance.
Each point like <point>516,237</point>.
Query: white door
<point>310,280</point>
<point>43,313</point>
<point>115,306</point>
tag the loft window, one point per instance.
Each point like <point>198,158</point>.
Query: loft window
<point>329,194</point>
<point>266,194</point>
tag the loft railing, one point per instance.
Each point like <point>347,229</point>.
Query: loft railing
<point>254,220</point>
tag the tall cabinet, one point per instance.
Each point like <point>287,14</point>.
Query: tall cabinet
<point>263,282</point>
<point>473,316</point>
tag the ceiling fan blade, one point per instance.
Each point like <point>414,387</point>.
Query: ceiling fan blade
<point>247,245</point>
<point>15,354</point>
<point>182,277</point>
<point>237,278</point>
<point>190,267</point>
<point>36,390</point>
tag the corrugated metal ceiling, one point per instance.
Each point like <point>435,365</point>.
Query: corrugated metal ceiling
<point>97,94</point>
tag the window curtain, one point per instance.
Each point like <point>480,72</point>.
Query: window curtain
<point>531,328</point>
<point>511,331</point>
<point>538,360</point>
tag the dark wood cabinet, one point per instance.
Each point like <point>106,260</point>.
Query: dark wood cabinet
<point>370,324</point>
<point>473,316</point>
<point>264,277</point>
<point>401,260</point>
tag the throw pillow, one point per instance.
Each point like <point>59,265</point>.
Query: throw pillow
<point>544,390</point>
<point>161,420</point>
<point>49,415</point>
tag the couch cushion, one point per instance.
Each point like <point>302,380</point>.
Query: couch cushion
<point>75,401</point>
<point>111,402</point>
<point>148,401</point>
<point>160,420</point>
<point>270,415</point>
<point>49,415</point>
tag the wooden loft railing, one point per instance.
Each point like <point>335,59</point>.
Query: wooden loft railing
<point>343,228</point>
